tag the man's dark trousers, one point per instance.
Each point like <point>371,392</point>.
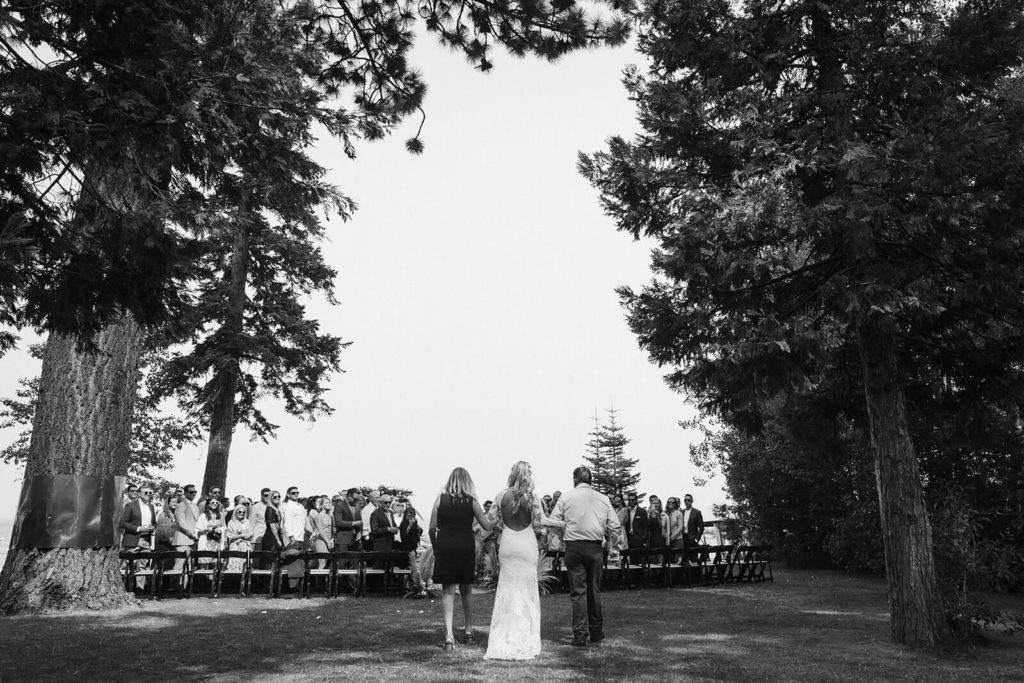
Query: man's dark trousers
<point>583,563</point>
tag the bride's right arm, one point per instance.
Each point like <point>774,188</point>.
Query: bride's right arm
<point>542,520</point>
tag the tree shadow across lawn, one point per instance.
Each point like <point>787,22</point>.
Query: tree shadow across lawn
<point>803,627</point>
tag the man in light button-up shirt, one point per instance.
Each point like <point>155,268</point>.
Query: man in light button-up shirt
<point>588,518</point>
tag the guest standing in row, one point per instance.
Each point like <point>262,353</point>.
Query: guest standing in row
<point>239,536</point>
<point>273,538</point>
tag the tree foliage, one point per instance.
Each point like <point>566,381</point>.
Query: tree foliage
<point>612,472</point>
<point>820,175</point>
<point>157,435</point>
<point>154,95</point>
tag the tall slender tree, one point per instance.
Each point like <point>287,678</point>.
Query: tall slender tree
<point>596,458</point>
<point>613,472</point>
<point>817,172</point>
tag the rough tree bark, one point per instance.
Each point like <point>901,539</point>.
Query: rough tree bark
<point>225,380</point>
<point>915,603</point>
<point>82,425</point>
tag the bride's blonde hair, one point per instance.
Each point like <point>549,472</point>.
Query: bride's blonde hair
<point>520,484</point>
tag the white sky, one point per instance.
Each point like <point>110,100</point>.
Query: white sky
<point>477,284</point>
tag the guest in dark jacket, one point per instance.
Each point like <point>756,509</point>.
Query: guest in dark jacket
<point>139,522</point>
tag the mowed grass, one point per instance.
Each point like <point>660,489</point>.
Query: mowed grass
<point>807,626</point>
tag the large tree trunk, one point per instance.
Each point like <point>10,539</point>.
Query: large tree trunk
<point>225,380</point>
<point>915,603</point>
<point>82,426</point>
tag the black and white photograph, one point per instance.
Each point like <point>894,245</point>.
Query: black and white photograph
<point>538,340</point>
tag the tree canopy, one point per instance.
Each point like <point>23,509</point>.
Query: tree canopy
<point>819,175</point>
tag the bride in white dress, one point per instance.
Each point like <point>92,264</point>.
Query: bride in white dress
<point>515,621</point>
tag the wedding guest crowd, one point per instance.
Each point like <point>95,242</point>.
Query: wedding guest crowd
<point>318,523</point>
<point>377,522</point>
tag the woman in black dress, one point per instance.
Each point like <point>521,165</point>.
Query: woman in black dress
<point>451,534</point>
<point>272,538</point>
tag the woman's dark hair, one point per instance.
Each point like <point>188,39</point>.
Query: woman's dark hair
<point>206,508</point>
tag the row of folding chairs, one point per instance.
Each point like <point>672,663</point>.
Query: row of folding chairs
<point>669,567</point>
<point>160,572</point>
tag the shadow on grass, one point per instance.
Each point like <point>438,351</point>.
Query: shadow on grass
<point>804,627</point>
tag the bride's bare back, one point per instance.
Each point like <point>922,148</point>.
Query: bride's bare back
<point>515,517</point>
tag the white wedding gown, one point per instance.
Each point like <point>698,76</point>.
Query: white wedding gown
<point>515,621</point>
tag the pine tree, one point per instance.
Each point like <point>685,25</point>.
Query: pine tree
<point>597,460</point>
<point>612,472</point>
<point>621,470</point>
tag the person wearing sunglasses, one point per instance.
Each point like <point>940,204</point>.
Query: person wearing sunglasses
<point>693,523</point>
<point>258,518</point>
<point>186,517</point>
<point>273,539</point>
<point>293,517</point>
<point>139,521</point>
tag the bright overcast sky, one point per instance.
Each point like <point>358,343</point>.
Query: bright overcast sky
<point>477,284</point>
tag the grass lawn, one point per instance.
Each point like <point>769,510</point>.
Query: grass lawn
<point>807,626</point>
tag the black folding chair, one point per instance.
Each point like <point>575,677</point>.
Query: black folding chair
<point>264,564</point>
<point>654,560</point>
<point>139,564</point>
<point>558,569</point>
<point>695,558</point>
<point>719,558</point>
<point>611,570</point>
<point>205,563</point>
<point>233,569</point>
<point>634,567</point>
<point>317,565</point>
<point>175,566</point>
<point>401,569</point>
<point>348,565</point>
<point>377,563</point>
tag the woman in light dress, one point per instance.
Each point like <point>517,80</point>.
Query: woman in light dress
<point>211,526</point>
<point>239,536</point>
<point>515,620</point>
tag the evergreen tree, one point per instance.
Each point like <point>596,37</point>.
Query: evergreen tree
<point>156,435</point>
<point>823,172</point>
<point>621,470</point>
<point>597,460</point>
<point>612,472</point>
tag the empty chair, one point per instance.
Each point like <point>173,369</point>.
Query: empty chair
<point>205,565</point>
<point>634,567</point>
<point>234,565</point>
<point>348,571</point>
<point>143,565</point>
<point>317,566</point>
<point>175,567</point>
<point>377,571</point>
<point>263,565</point>
<point>401,570</point>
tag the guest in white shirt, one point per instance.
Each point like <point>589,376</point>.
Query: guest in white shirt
<point>293,517</point>
<point>373,501</point>
<point>588,518</point>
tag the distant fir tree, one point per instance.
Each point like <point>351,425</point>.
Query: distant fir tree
<point>597,460</point>
<point>612,471</point>
<point>620,468</point>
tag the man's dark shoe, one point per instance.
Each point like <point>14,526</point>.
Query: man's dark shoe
<point>596,637</point>
<point>579,642</point>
